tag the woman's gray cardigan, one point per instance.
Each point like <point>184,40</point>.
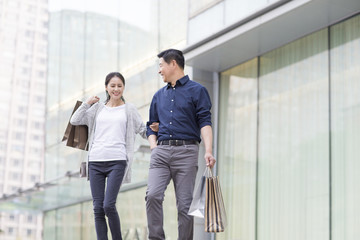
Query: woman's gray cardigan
<point>86,115</point>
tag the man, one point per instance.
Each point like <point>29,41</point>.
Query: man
<point>182,109</point>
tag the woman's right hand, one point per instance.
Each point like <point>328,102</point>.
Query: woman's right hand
<point>154,126</point>
<point>93,99</point>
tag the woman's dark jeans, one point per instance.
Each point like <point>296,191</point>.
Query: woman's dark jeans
<point>104,201</point>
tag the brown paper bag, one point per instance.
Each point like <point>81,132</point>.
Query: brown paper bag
<point>215,215</point>
<point>76,136</point>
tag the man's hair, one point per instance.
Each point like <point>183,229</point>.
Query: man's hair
<point>173,54</point>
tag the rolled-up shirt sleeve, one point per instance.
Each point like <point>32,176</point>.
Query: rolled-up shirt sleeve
<point>153,117</point>
<point>203,107</point>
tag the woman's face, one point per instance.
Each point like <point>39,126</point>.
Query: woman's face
<point>115,88</point>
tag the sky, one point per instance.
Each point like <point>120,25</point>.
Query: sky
<point>135,12</point>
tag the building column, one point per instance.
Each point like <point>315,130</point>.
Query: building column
<point>210,80</point>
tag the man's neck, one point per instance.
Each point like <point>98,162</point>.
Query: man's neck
<point>177,77</point>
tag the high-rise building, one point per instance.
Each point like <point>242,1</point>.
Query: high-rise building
<point>23,75</point>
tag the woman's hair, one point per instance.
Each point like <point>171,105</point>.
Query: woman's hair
<point>107,80</point>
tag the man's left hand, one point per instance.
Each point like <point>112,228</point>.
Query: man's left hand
<point>210,160</point>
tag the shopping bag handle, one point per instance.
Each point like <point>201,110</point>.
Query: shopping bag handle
<point>208,172</point>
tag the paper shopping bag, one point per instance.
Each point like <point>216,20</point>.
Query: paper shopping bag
<point>197,207</point>
<point>76,136</point>
<point>215,215</point>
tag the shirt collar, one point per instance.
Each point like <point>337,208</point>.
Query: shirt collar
<point>181,81</point>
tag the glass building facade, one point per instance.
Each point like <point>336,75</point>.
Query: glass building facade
<point>84,46</point>
<point>289,120</point>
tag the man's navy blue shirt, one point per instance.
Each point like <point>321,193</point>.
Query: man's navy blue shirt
<point>181,111</point>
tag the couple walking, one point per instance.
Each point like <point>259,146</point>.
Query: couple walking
<point>179,114</point>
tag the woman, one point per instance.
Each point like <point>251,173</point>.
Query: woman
<point>112,129</point>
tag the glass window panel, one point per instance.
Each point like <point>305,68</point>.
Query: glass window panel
<point>69,159</point>
<point>72,191</point>
<point>71,63</point>
<point>132,211</point>
<point>52,136</point>
<point>49,227</point>
<point>68,222</point>
<point>140,165</point>
<point>141,87</point>
<point>293,158</point>
<point>237,148</point>
<point>138,33</point>
<point>88,222</point>
<point>101,43</point>
<point>345,129</point>
<point>51,162</point>
<point>173,24</point>
<point>53,65</point>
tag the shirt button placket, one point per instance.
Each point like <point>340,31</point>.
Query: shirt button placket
<point>171,111</point>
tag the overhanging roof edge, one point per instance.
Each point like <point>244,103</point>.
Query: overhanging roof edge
<point>235,25</point>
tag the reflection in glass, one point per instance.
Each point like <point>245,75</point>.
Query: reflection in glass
<point>68,222</point>
<point>293,160</point>
<point>237,153</point>
<point>345,128</point>
<point>173,19</point>
<point>70,60</point>
<point>88,223</point>
<point>50,226</point>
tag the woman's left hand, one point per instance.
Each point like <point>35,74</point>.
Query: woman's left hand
<point>154,126</point>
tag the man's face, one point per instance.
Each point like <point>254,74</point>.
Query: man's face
<point>165,70</point>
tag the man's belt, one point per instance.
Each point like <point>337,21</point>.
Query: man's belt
<point>177,142</point>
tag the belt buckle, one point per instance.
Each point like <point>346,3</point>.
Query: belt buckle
<point>175,142</point>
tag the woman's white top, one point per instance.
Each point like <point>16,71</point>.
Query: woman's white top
<point>87,114</point>
<point>109,137</point>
